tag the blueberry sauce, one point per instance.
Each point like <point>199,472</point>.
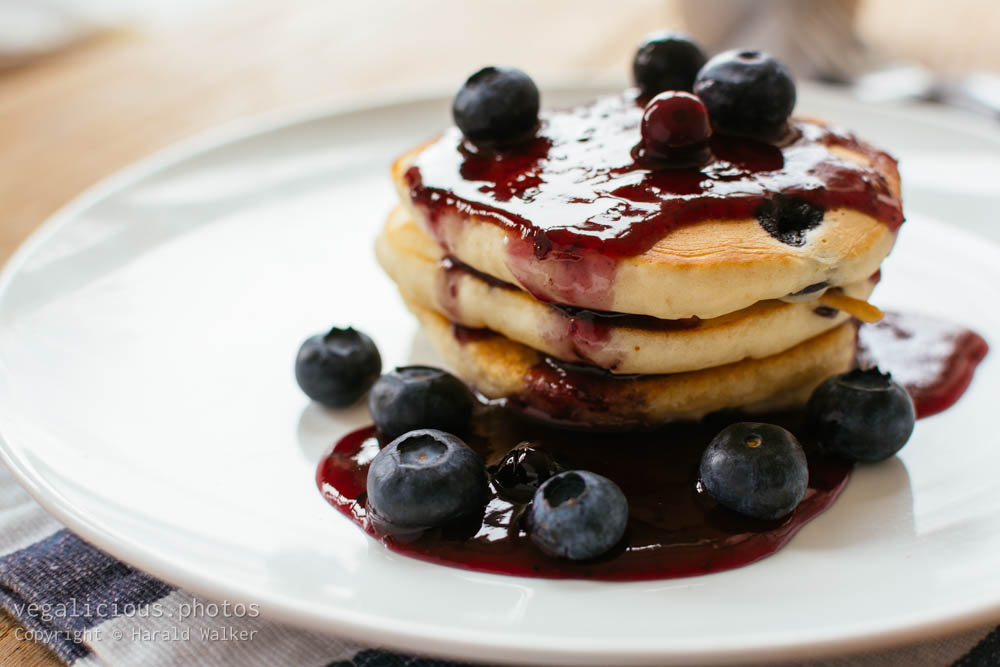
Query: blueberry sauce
<point>934,360</point>
<point>674,528</point>
<point>581,333</point>
<point>607,319</point>
<point>455,268</point>
<point>465,334</point>
<point>452,272</point>
<point>825,311</point>
<point>571,393</point>
<point>576,195</point>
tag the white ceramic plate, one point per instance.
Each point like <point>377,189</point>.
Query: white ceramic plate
<point>146,399</point>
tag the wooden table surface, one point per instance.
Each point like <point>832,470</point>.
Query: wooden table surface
<point>76,116</point>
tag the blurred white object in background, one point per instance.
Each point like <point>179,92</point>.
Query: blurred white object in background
<point>32,28</point>
<point>815,38</point>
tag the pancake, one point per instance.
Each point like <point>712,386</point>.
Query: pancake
<point>572,217</point>
<point>500,368</point>
<point>618,343</point>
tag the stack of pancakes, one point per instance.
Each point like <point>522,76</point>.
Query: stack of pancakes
<point>716,314</point>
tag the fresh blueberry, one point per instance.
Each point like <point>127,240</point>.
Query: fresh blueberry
<point>788,217</point>
<point>675,127</point>
<point>666,61</point>
<point>497,106</point>
<point>412,397</point>
<point>862,415</point>
<point>424,479</point>
<point>522,470</point>
<point>338,367</point>
<point>755,469</point>
<point>577,515</point>
<point>746,92</point>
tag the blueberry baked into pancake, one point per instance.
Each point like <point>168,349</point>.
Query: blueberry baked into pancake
<point>656,308</point>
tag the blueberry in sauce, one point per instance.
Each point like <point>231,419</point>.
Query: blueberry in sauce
<point>758,470</point>
<point>577,515</point>
<point>788,217</point>
<point>415,397</point>
<point>497,106</point>
<point>425,478</point>
<point>666,61</point>
<point>675,127</point>
<point>522,470</point>
<point>338,367</point>
<point>862,415</point>
<point>746,92</point>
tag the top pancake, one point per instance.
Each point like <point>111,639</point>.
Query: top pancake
<point>573,217</point>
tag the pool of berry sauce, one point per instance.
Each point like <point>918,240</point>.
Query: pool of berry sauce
<point>674,530</point>
<point>933,359</point>
<point>576,195</point>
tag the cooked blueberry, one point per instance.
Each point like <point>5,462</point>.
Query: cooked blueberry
<point>338,367</point>
<point>497,106</point>
<point>577,515</point>
<point>522,471</point>
<point>755,469</point>
<point>412,397</point>
<point>811,289</point>
<point>746,92</point>
<point>425,478</point>
<point>675,127</point>
<point>788,218</point>
<point>826,311</point>
<point>862,415</point>
<point>666,61</point>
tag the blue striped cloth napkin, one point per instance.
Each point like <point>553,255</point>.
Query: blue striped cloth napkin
<point>92,609</point>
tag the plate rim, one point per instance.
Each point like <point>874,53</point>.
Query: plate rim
<point>404,635</point>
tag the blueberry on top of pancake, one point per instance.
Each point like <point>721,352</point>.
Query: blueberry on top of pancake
<point>572,216</point>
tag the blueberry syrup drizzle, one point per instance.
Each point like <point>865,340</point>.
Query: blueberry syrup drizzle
<point>452,272</point>
<point>465,334</point>
<point>934,360</point>
<point>577,197</point>
<point>674,529</point>
<point>455,269</point>
<point>581,333</point>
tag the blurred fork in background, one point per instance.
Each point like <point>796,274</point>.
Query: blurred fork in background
<point>820,39</point>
